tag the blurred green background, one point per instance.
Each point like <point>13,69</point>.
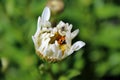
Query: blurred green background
<point>99,24</point>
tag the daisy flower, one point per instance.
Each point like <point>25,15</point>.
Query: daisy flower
<point>53,44</point>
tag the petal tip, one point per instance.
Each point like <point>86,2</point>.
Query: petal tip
<point>46,14</point>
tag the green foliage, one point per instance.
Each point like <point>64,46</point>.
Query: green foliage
<point>99,24</point>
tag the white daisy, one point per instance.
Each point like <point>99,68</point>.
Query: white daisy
<point>54,43</point>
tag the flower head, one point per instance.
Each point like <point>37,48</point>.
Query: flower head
<point>54,43</point>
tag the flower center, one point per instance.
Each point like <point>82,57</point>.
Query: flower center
<point>61,41</point>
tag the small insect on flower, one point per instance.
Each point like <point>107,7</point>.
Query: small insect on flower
<point>53,44</point>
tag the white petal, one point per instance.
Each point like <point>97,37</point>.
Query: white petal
<point>43,35</point>
<point>54,30</point>
<point>70,27</point>
<point>33,40</point>
<point>49,51</point>
<point>46,14</point>
<point>56,43</point>
<point>47,42</point>
<point>38,28</point>
<point>47,24</point>
<point>44,45</point>
<point>74,33</point>
<point>59,55</point>
<point>62,33</point>
<point>37,33</point>
<point>54,49</point>
<point>61,24</point>
<point>68,38</point>
<point>39,23</point>
<point>76,46</point>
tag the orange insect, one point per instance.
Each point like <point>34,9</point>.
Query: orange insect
<point>61,40</point>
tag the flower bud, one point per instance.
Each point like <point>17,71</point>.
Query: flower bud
<point>53,44</point>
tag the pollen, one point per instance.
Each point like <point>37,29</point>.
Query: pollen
<point>63,47</point>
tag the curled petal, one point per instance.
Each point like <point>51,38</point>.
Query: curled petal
<point>76,46</point>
